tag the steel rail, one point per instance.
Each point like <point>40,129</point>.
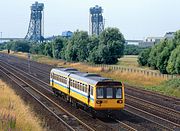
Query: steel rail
<point>154,104</point>
<point>13,68</point>
<point>126,125</point>
<point>154,116</point>
<point>126,104</point>
<point>60,107</point>
<point>126,94</point>
<point>155,94</point>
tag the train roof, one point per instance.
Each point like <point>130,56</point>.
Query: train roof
<point>88,78</point>
<point>64,71</point>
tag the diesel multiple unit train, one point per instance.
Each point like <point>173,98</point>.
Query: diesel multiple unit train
<point>88,90</point>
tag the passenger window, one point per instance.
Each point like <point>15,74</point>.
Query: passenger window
<point>60,79</point>
<point>70,82</point>
<point>73,83</point>
<point>65,81</point>
<point>85,88</point>
<point>78,85</point>
<point>100,93</point>
<point>82,87</point>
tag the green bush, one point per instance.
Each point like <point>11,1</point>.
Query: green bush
<point>19,46</point>
<point>174,62</point>
<point>110,48</point>
<point>143,57</point>
<point>164,56</point>
<point>132,50</point>
<point>2,46</point>
<point>169,87</point>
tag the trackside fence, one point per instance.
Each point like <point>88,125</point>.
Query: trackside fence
<point>148,73</point>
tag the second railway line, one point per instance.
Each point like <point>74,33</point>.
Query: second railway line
<point>42,71</point>
<point>98,125</point>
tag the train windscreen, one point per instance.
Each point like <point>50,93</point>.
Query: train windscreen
<point>109,93</point>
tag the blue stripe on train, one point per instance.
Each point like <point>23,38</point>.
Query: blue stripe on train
<point>72,90</point>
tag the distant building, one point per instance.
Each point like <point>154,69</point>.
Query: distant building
<point>146,44</point>
<point>150,41</point>
<point>169,35</point>
<point>153,39</point>
<point>67,34</point>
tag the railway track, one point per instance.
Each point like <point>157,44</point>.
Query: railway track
<point>159,121</point>
<point>68,119</point>
<point>160,99</point>
<point>164,112</point>
<point>55,110</point>
<point>127,110</point>
<point>167,101</point>
<point>167,109</point>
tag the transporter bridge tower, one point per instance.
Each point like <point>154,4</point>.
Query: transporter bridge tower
<point>96,24</point>
<point>36,25</point>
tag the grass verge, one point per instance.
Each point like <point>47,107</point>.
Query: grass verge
<point>128,60</point>
<point>132,62</point>
<point>170,87</point>
<point>14,114</point>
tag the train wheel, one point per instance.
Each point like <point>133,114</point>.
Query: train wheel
<point>55,92</point>
<point>70,100</point>
<point>67,99</point>
<point>93,113</point>
<point>77,105</point>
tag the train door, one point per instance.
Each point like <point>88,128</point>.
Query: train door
<point>68,96</point>
<point>89,89</point>
<point>52,77</point>
<point>68,85</point>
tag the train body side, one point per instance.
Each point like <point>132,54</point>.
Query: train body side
<point>87,93</point>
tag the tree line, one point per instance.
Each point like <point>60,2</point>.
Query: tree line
<point>103,49</point>
<point>133,49</point>
<point>164,56</point>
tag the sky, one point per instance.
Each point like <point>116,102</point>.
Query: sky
<point>136,19</point>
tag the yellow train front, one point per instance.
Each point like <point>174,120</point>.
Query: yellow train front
<point>88,90</point>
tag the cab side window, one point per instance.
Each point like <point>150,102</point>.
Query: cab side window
<point>100,93</point>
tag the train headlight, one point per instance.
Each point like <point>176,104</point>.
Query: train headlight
<point>98,102</point>
<point>119,101</point>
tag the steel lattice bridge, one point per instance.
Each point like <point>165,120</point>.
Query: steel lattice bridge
<point>36,25</point>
